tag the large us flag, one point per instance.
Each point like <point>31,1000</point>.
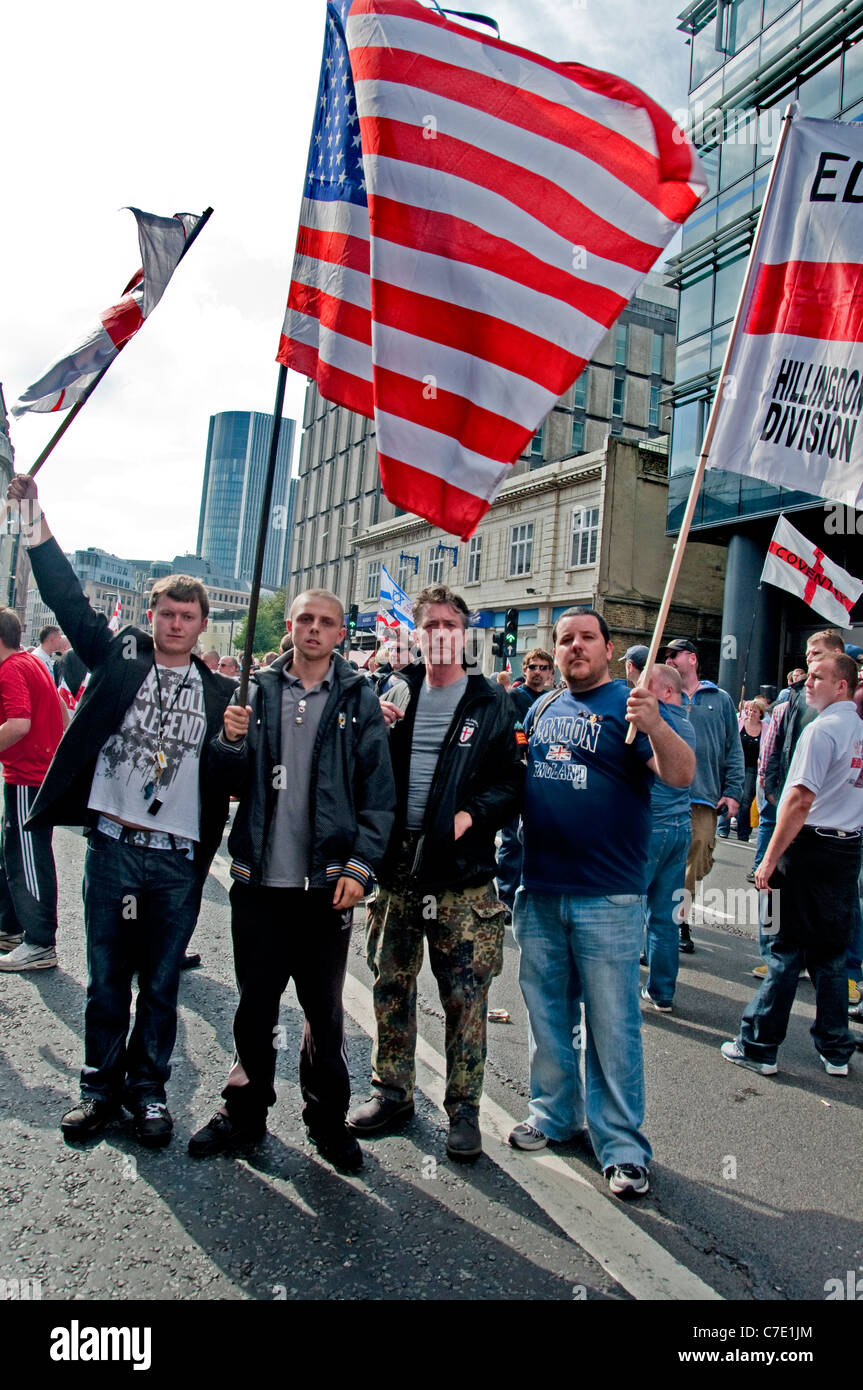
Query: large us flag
<point>475,217</point>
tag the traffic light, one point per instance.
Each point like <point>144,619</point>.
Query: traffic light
<point>510,633</point>
<point>353,611</point>
<point>497,647</point>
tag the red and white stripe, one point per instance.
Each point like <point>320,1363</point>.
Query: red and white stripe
<point>494,256</point>
<point>161,241</point>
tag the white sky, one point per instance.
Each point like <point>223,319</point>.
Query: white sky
<point>173,107</point>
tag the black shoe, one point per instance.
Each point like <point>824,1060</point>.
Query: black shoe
<point>464,1143</point>
<point>153,1125</point>
<point>378,1114</point>
<point>87,1118</point>
<point>686,944</point>
<point>642,959</point>
<point>221,1134</point>
<point>340,1149</point>
<point>750,877</point>
<point>190,962</point>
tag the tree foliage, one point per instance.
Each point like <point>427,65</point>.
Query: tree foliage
<point>269,628</point>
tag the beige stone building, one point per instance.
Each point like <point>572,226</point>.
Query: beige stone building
<point>584,530</point>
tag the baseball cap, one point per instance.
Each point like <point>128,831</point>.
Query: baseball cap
<point>855,653</point>
<point>637,655</point>
<point>680,644</point>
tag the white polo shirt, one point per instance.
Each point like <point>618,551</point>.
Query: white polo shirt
<point>828,760</point>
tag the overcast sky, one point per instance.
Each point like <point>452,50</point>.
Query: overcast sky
<point>173,107</point>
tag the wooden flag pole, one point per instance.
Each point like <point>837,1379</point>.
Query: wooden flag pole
<point>263,531</point>
<point>698,476</point>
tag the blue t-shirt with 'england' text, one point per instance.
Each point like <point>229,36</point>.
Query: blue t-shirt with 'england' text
<point>587,796</point>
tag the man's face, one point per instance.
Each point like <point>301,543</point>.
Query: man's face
<point>177,624</point>
<point>823,686</point>
<point>662,690</point>
<point>316,626</point>
<point>53,644</point>
<point>798,674</point>
<point>682,661</point>
<point>228,666</point>
<point>816,651</point>
<point>538,675</point>
<point>581,652</point>
<point>441,635</point>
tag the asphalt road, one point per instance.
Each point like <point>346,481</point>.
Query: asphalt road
<point>756,1186</point>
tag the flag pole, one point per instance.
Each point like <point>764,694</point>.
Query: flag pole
<point>698,476</point>
<point>263,529</point>
<point>79,406</point>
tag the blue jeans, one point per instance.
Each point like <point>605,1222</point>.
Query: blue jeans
<point>576,950</point>
<point>766,827</point>
<point>669,846</point>
<point>509,862</point>
<point>765,1019</point>
<point>140,909</point>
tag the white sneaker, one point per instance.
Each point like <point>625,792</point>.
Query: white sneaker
<point>834,1068</point>
<point>526,1137</point>
<point>733,1052</point>
<point>627,1180</point>
<point>26,957</point>
<point>9,940</point>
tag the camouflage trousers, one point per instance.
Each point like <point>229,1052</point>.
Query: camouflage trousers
<point>465,931</point>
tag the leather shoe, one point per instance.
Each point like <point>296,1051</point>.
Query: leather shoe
<point>686,944</point>
<point>465,1141</point>
<point>87,1118</point>
<point>190,962</point>
<point>221,1134</point>
<point>153,1125</point>
<point>378,1114</point>
<point>340,1149</point>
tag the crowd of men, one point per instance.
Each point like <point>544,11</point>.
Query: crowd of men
<point>397,785</point>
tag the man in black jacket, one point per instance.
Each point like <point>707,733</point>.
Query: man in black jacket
<point>134,769</point>
<point>458,778</point>
<point>309,760</point>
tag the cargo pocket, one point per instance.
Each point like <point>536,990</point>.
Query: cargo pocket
<point>488,928</point>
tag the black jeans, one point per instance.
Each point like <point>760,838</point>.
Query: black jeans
<point>281,934</point>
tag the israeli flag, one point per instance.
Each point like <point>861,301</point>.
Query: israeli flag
<point>394,598</point>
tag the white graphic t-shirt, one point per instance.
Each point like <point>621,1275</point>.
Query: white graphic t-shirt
<point>126,766</point>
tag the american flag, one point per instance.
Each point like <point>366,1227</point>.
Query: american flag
<point>474,219</point>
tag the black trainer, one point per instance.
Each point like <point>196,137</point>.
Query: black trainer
<point>340,1149</point>
<point>153,1125</point>
<point>220,1134</point>
<point>686,944</point>
<point>87,1118</point>
<point>464,1143</point>
<point>379,1113</point>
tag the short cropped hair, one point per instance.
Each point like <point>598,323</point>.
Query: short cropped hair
<point>320,593</point>
<point>670,675</point>
<point>46,633</point>
<point>182,588</point>
<point>582,612</point>
<point>10,628</point>
<point>830,637</point>
<point>845,668</point>
<point>440,593</point>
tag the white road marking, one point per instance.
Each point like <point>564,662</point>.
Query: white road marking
<point>601,1228</point>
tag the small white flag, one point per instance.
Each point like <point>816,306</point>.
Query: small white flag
<point>796,564</point>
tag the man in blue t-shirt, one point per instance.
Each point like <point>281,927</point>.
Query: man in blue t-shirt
<point>579,916</point>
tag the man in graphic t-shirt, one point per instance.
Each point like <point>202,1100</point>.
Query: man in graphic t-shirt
<point>134,770</point>
<point>811,866</point>
<point>579,917</point>
<point>31,724</point>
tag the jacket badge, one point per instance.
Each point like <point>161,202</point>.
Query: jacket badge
<point>467,731</point>
<point>342,720</point>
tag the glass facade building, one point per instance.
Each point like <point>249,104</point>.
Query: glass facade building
<point>237,448</point>
<point>749,60</point>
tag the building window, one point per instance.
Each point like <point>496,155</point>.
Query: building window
<point>474,559</point>
<point>653,417</point>
<point>617,397</point>
<point>434,569</point>
<point>537,444</point>
<point>584,536</point>
<point>620,343</point>
<point>520,547</point>
<point>577,435</point>
<point>405,571</point>
<point>373,579</point>
<point>579,396</point>
<point>656,354</point>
